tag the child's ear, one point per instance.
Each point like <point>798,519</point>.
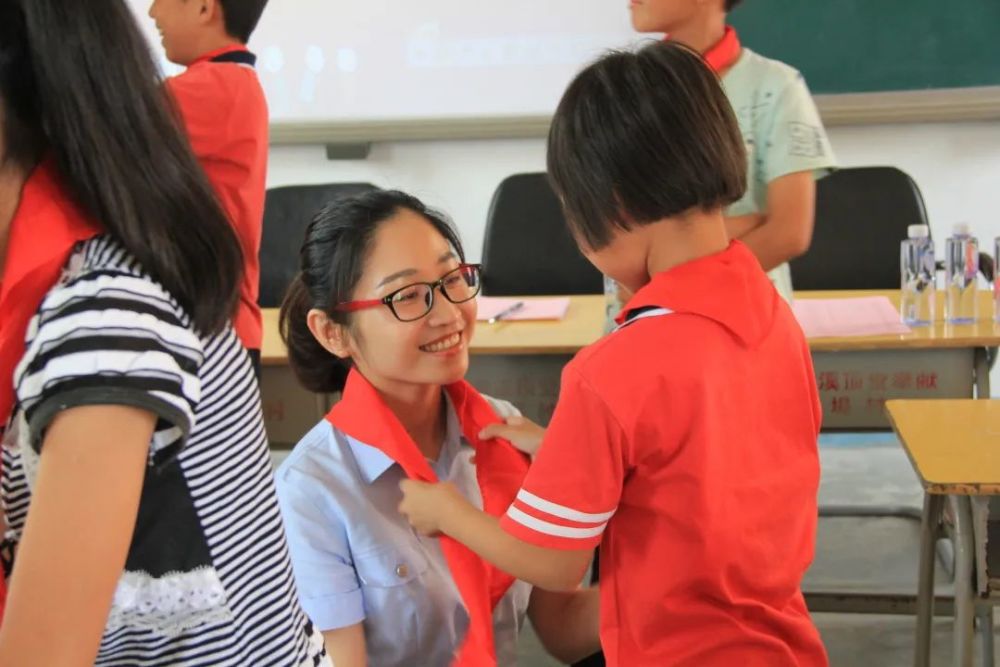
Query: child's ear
<point>209,9</point>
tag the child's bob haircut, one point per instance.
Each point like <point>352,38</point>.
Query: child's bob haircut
<point>641,136</point>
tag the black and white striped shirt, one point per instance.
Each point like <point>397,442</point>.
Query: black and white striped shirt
<point>208,579</point>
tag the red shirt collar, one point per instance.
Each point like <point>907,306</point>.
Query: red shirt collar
<point>724,53</point>
<point>729,287</point>
<point>362,414</point>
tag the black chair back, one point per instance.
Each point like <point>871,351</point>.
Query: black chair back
<point>527,249</point>
<point>288,211</point>
<point>861,216</point>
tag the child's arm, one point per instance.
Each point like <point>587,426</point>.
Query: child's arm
<point>785,231</point>
<point>346,646</point>
<point>790,156</point>
<point>440,508</point>
<point>568,624</point>
<point>571,491</point>
<point>77,535</point>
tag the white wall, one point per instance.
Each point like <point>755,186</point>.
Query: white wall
<point>458,177</point>
<point>956,165</point>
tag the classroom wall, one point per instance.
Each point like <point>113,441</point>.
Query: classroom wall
<point>957,166</point>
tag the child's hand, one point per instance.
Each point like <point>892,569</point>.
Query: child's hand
<point>521,432</point>
<point>426,506</point>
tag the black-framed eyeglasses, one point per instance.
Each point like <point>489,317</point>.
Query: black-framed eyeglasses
<point>416,300</point>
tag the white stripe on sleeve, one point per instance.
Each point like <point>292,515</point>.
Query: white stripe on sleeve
<point>561,511</point>
<point>556,530</point>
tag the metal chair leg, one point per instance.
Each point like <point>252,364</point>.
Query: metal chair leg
<point>965,564</point>
<point>929,532</point>
<point>984,619</point>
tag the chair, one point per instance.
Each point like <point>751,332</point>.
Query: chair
<point>287,212</point>
<point>527,249</point>
<point>861,216</point>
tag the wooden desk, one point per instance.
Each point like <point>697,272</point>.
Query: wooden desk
<point>954,447</point>
<point>855,374</point>
<point>939,336</point>
<point>584,323</point>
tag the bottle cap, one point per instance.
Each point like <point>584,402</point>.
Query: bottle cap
<point>961,229</point>
<point>918,231</point>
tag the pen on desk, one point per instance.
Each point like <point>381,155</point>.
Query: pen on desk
<point>506,312</point>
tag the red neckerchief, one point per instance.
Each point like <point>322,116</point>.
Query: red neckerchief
<point>725,52</point>
<point>45,229</point>
<point>500,469</point>
<point>215,53</point>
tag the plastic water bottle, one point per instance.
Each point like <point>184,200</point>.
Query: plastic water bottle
<point>917,277</point>
<point>961,269</point>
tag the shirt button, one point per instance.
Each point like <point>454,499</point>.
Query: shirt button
<point>402,571</point>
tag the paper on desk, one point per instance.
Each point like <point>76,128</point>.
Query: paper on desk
<point>863,316</point>
<point>533,309</point>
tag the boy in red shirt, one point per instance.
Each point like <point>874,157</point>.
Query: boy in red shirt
<point>684,442</point>
<point>225,114</point>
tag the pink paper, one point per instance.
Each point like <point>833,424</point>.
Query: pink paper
<point>533,309</point>
<point>864,316</point>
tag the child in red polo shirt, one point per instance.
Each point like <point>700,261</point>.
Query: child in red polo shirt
<point>225,114</point>
<point>684,442</point>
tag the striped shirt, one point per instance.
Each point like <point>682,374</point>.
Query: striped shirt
<point>207,580</point>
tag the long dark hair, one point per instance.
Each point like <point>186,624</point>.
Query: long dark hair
<point>77,82</point>
<point>332,260</point>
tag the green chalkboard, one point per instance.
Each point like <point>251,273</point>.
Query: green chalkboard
<point>860,46</point>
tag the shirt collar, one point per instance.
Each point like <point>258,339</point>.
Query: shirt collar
<point>235,49</point>
<point>373,462</point>
<point>724,53</point>
<point>729,287</point>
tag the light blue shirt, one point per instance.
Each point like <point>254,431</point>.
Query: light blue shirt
<point>782,131</point>
<point>356,558</point>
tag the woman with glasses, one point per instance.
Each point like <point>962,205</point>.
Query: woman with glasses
<point>383,309</point>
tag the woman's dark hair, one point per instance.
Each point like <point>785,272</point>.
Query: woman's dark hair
<point>77,82</point>
<point>731,4</point>
<point>641,136</point>
<point>337,244</point>
<point>241,17</point>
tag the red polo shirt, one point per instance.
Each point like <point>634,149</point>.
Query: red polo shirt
<point>47,225</point>
<point>685,443</point>
<point>225,114</point>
